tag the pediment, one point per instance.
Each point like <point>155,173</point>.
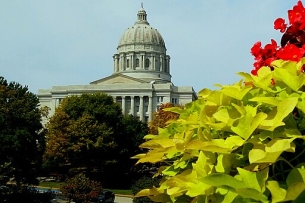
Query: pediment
<point>118,79</point>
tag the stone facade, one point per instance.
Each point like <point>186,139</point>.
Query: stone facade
<point>141,78</point>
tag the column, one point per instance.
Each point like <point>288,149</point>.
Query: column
<point>121,63</point>
<point>153,66</point>
<point>53,106</point>
<point>168,58</point>
<point>114,64</point>
<point>131,63</point>
<point>141,62</point>
<point>123,105</point>
<point>141,108</point>
<point>161,63</point>
<point>150,106</point>
<point>132,105</point>
<point>117,63</point>
<point>124,62</point>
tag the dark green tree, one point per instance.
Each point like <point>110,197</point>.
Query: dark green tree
<point>83,131</point>
<point>89,132</point>
<point>130,137</point>
<point>21,133</point>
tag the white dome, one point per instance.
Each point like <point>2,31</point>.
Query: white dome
<point>141,52</point>
<point>141,33</point>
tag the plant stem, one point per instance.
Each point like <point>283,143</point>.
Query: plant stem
<point>298,155</point>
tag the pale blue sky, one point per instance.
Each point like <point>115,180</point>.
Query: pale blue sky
<point>44,43</point>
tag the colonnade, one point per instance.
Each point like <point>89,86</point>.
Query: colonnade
<point>134,61</point>
<point>139,106</point>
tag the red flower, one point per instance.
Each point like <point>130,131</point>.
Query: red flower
<point>291,52</point>
<point>279,24</point>
<point>254,72</point>
<point>270,49</point>
<point>256,50</point>
<point>297,15</point>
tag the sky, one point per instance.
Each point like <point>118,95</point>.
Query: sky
<point>45,43</point>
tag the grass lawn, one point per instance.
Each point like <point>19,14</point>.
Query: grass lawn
<point>50,184</point>
<point>58,184</point>
<point>120,191</point>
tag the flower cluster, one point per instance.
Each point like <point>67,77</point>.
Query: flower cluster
<point>292,46</point>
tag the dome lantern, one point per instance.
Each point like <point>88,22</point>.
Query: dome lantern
<point>142,16</point>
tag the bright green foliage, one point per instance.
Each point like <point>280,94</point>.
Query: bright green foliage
<point>81,189</point>
<point>242,143</point>
<point>21,133</point>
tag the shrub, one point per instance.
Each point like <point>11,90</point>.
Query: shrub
<point>81,189</point>
<point>144,182</point>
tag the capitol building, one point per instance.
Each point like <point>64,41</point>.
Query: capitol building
<point>141,78</point>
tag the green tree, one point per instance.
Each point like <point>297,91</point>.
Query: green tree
<point>130,136</point>
<point>83,131</point>
<point>21,132</point>
<point>81,189</point>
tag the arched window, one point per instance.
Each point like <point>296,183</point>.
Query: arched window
<point>137,63</point>
<point>146,63</point>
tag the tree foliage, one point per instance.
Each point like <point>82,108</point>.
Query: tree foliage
<point>89,131</point>
<point>161,116</point>
<point>21,133</point>
<point>81,189</point>
<point>82,131</point>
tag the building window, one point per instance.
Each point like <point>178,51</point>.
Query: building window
<point>137,109</point>
<point>137,63</point>
<point>145,108</point>
<point>147,63</point>
<point>127,63</point>
<point>173,100</point>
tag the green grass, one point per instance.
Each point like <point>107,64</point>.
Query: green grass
<point>120,191</point>
<point>58,184</point>
<point>51,184</point>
